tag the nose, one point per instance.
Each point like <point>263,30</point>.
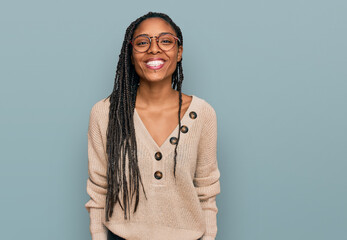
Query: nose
<point>154,48</point>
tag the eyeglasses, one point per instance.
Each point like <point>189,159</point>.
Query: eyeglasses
<point>165,41</point>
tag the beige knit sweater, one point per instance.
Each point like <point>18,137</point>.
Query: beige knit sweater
<point>185,210</point>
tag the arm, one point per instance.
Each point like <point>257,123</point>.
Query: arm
<point>97,181</point>
<point>207,174</point>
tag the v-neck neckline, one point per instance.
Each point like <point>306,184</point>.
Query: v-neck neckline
<point>162,148</point>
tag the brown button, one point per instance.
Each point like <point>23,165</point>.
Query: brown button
<point>173,140</point>
<point>192,115</point>
<point>184,129</point>
<point>158,156</point>
<point>158,174</point>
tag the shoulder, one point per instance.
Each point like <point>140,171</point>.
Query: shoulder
<point>100,110</point>
<point>208,120</point>
<point>101,104</point>
<point>206,109</point>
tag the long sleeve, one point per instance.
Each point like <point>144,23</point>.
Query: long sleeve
<point>97,181</point>
<point>207,174</point>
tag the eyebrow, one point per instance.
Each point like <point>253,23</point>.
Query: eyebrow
<point>145,34</point>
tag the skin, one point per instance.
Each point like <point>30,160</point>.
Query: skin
<point>156,100</point>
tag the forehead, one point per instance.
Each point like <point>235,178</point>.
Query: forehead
<point>153,26</point>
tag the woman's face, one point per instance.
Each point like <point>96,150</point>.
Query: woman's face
<point>153,27</point>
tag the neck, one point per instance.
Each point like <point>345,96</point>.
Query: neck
<point>155,95</point>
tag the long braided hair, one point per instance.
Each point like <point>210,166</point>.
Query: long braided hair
<point>121,140</point>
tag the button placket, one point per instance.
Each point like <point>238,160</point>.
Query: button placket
<point>160,159</point>
<point>158,168</point>
<point>185,122</point>
<point>168,145</point>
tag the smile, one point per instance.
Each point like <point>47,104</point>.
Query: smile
<point>156,64</point>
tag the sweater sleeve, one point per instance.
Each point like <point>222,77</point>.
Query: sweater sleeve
<point>207,174</point>
<point>97,181</point>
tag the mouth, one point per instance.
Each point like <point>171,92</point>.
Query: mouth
<point>155,63</point>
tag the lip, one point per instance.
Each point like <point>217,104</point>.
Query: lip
<point>154,59</point>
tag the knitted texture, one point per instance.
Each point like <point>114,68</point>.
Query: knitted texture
<point>184,209</point>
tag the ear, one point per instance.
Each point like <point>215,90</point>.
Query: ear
<point>179,53</point>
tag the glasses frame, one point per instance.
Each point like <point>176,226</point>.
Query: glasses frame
<point>156,39</point>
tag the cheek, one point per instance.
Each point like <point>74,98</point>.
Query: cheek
<point>138,69</point>
<point>134,59</point>
<point>136,62</point>
<point>173,61</point>
<point>173,66</point>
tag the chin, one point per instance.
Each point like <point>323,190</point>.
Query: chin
<point>154,77</point>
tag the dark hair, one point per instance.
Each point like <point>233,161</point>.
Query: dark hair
<point>121,140</point>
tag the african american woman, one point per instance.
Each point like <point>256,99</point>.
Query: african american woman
<point>152,150</point>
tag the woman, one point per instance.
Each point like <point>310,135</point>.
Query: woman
<point>148,152</point>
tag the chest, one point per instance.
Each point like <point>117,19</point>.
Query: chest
<point>160,124</point>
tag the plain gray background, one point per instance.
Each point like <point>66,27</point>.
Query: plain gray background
<point>275,72</point>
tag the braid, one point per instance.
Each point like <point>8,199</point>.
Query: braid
<point>121,138</point>
<point>179,88</point>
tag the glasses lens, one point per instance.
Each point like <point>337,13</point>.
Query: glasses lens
<point>166,42</point>
<point>141,43</point>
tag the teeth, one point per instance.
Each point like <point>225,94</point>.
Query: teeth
<point>155,63</point>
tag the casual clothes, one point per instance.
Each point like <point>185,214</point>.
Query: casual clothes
<point>181,210</point>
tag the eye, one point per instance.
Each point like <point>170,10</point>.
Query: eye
<point>166,40</point>
<point>141,43</point>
